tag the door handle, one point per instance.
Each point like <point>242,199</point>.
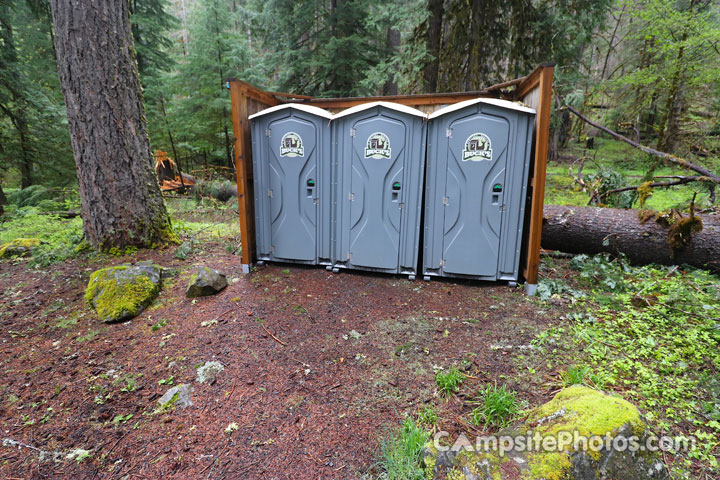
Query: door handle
<point>497,190</point>
<point>311,187</point>
<point>396,191</point>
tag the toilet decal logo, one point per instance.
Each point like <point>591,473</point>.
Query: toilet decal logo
<point>378,146</point>
<point>477,148</point>
<point>291,145</point>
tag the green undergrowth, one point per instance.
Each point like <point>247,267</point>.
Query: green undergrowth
<point>621,165</point>
<point>204,220</point>
<point>652,333</point>
<point>60,237</point>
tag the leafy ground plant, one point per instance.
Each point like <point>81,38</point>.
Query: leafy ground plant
<point>402,452</point>
<point>497,407</point>
<point>427,416</point>
<point>449,381</point>
<point>658,342</point>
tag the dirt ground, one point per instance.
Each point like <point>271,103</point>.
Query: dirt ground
<point>318,368</point>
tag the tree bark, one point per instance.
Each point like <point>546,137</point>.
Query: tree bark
<point>121,202</point>
<point>393,43</point>
<point>595,230</point>
<point>433,42</point>
<point>670,124</point>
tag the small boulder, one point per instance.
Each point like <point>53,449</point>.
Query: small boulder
<point>121,293</point>
<point>611,421</point>
<point>177,396</point>
<point>209,371</point>
<point>20,247</point>
<point>205,281</point>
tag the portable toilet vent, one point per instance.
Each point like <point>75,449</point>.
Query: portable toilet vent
<point>292,181</point>
<point>478,161</point>
<point>379,152</point>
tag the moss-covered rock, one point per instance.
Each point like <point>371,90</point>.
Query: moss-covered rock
<point>205,281</point>
<point>600,423</point>
<point>121,293</point>
<point>20,247</point>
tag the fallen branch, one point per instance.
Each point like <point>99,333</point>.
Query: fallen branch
<point>273,336</point>
<point>711,177</point>
<point>213,461</point>
<point>679,181</point>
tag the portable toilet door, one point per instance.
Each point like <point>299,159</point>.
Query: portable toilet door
<point>380,156</point>
<point>477,169</point>
<point>292,182</point>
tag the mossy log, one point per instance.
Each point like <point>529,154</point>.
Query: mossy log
<point>642,238</point>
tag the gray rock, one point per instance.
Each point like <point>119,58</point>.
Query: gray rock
<point>209,371</point>
<point>205,281</point>
<point>121,293</point>
<point>177,396</point>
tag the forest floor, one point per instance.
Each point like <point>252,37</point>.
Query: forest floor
<point>319,367</point>
<point>359,352</point>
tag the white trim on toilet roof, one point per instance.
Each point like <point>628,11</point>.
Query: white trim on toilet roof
<point>297,106</point>
<point>490,101</point>
<point>393,106</point>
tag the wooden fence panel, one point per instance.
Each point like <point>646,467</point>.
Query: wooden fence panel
<point>534,90</point>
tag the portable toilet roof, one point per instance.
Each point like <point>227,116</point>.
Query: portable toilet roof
<point>490,101</point>
<point>297,106</point>
<point>393,106</point>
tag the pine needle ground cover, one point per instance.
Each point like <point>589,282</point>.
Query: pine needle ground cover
<point>347,356</point>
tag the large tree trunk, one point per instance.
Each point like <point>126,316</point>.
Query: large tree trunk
<point>433,43</point>
<point>594,230</point>
<point>393,43</point>
<point>121,201</point>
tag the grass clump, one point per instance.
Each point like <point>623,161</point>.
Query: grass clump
<point>449,381</point>
<point>402,452</point>
<point>498,407</point>
<point>575,375</point>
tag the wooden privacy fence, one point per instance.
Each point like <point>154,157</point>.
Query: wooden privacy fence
<point>535,90</point>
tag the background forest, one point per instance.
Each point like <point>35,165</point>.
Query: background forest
<point>650,69</point>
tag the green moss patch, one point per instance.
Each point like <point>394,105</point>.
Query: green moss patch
<point>587,411</point>
<point>20,247</point>
<point>121,293</point>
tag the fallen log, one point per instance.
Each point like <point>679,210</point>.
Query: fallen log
<point>62,214</point>
<point>643,238</point>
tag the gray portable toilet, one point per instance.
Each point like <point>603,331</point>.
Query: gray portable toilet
<point>292,181</point>
<point>379,163</point>
<point>478,160</point>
